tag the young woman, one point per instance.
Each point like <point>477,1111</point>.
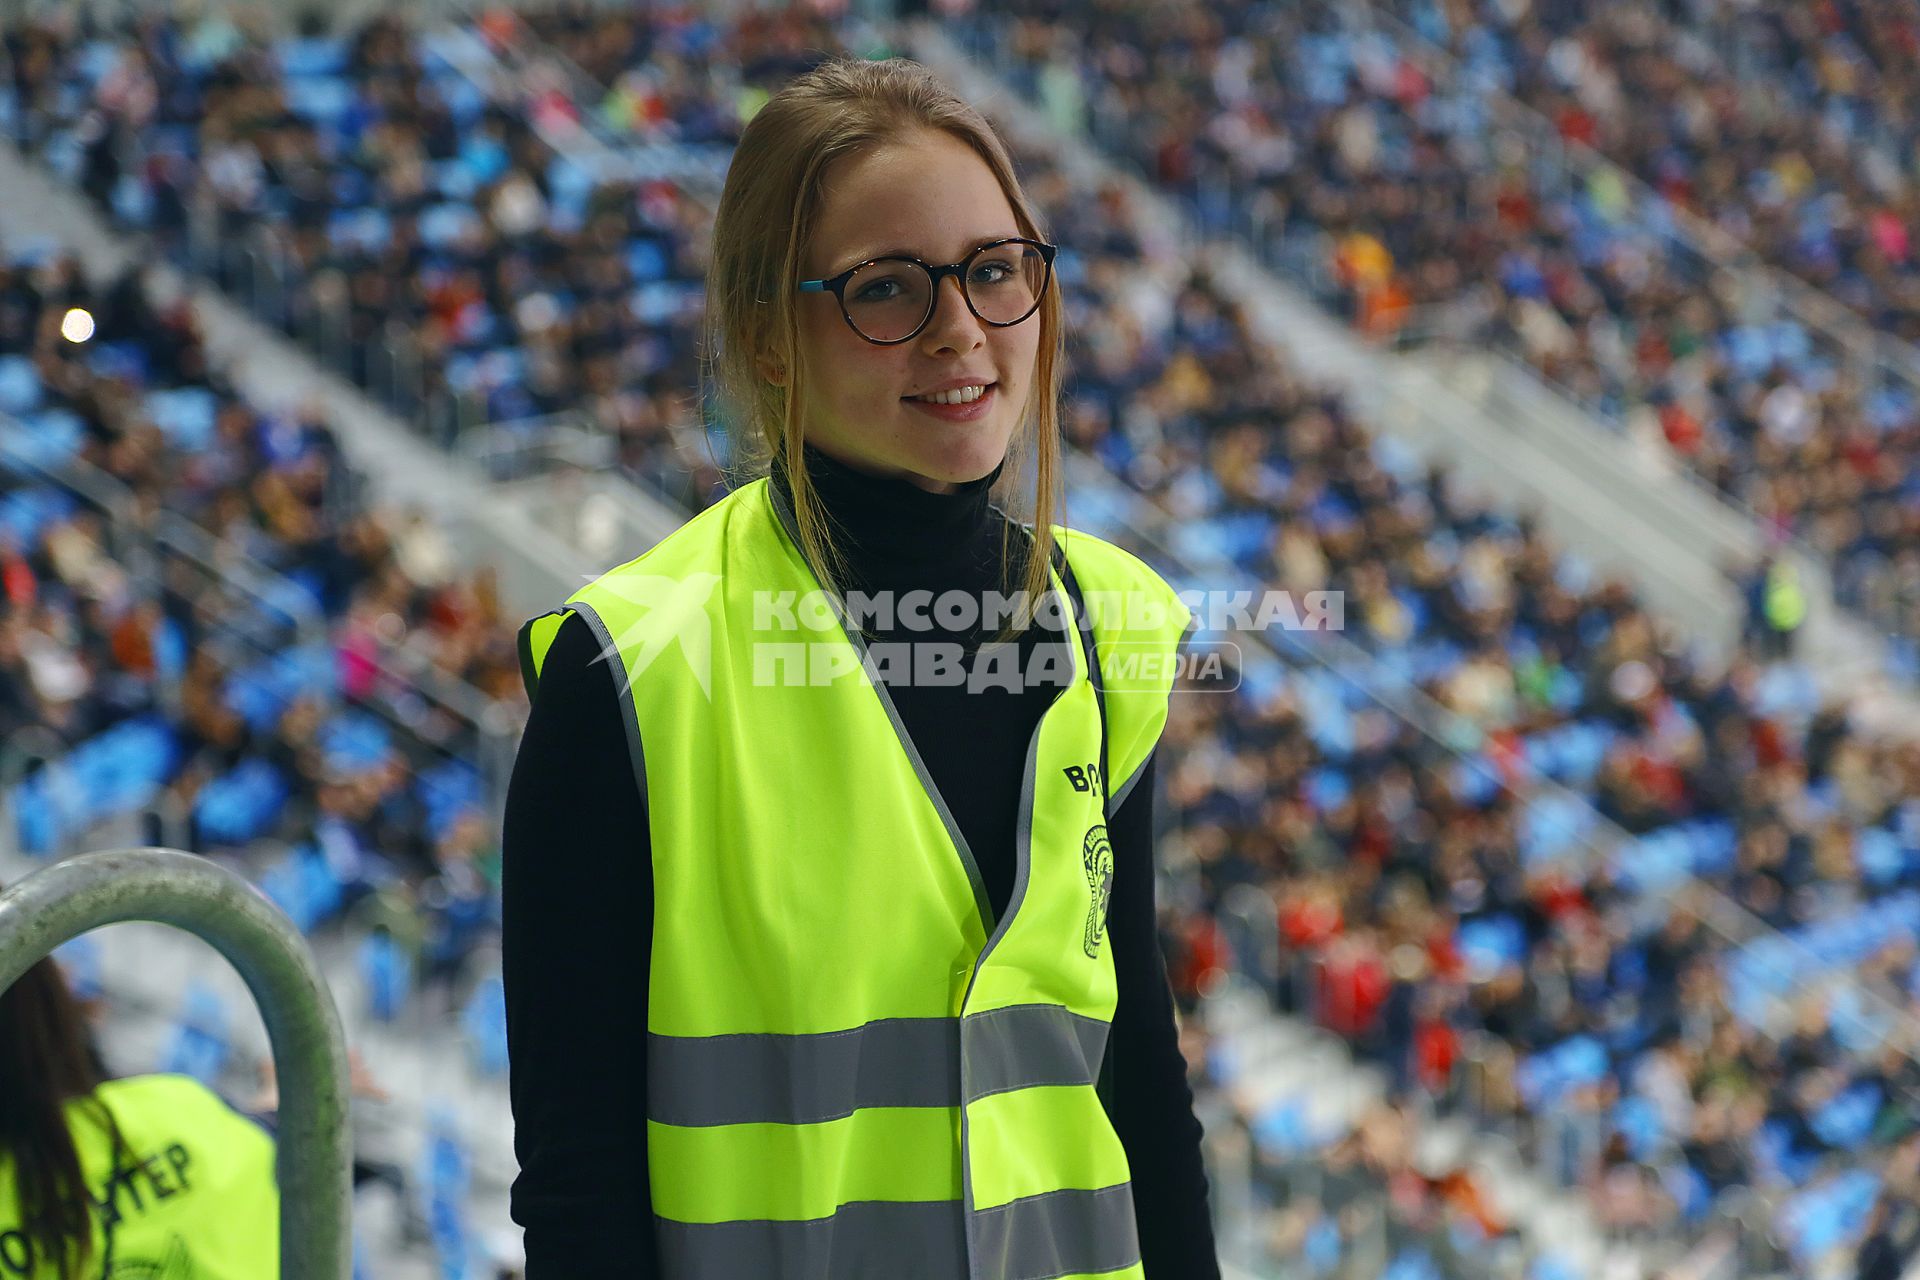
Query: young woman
<point>830,935</point>
<point>146,1176</point>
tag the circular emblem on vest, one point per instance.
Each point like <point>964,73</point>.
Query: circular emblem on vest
<point>1096,855</point>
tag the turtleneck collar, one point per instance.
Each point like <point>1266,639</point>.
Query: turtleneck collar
<point>895,533</point>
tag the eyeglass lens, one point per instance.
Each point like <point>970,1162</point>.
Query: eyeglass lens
<point>888,299</point>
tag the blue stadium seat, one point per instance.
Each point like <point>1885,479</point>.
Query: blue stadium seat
<point>199,1046</point>
<point>1543,1078</point>
<point>354,742</point>
<point>1412,1263</point>
<point>324,102</point>
<point>241,805</point>
<point>80,960</point>
<point>20,390</point>
<point>484,1020</point>
<point>304,886</point>
<point>311,57</point>
<point>52,437</point>
<point>186,415</point>
<point>387,973</point>
<point>1490,943</point>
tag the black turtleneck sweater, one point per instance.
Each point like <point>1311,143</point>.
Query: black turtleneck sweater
<point>578,909</point>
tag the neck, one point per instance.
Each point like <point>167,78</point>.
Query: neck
<point>898,535</point>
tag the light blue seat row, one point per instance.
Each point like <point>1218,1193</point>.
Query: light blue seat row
<point>261,693</point>
<point>240,805</point>
<point>1545,1077</point>
<point>27,513</point>
<point>116,772</point>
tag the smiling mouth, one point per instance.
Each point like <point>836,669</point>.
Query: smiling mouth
<point>984,389</point>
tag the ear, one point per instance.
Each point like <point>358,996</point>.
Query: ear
<point>772,370</point>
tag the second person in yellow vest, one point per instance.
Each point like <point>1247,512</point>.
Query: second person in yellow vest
<point>148,1176</point>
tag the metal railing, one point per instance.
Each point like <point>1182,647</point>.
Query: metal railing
<point>313,1155</point>
<point>252,263</point>
<point>523,448</point>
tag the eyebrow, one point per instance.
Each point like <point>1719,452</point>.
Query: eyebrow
<point>908,253</point>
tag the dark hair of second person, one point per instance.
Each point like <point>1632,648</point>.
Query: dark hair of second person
<point>46,1061</point>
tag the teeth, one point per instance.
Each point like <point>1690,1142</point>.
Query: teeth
<point>965,395</point>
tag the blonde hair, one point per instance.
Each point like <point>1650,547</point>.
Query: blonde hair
<point>768,210</point>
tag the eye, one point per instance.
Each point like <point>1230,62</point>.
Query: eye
<point>996,269</point>
<point>876,291</point>
<point>884,282</point>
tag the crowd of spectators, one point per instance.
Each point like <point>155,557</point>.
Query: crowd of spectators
<point>1418,200</point>
<point>1427,906</point>
<point>416,230</point>
<point>306,712</point>
<point>1461,910</point>
<point>1790,128</point>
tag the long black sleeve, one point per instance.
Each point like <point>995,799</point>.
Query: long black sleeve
<point>1152,1103</point>
<point>577,904</point>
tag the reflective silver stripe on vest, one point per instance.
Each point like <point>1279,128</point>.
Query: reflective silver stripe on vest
<point>1031,1044</point>
<point>806,1079</point>
<point>923,1239</point>
<point>755,1078</point>
<point>1061,1233</point>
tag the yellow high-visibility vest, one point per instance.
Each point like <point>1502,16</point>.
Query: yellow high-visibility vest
<point>854,1071</point>
<point>192,1196</point>
<point>1786,603</point>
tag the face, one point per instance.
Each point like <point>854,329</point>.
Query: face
<point>929,196</point>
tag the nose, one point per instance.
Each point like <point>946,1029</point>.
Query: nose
<point>952,322</point>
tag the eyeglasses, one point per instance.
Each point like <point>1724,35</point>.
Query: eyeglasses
<point>889,300</point>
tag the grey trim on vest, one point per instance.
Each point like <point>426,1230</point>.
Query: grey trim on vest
<point>1023,816</point>
<point>803,1079</point>
<point>1022,863</point>
<point>1090,649</point>
<point>1059,1233</point>
<point>762,1078</point>
<point>629,714</point>
<point>1120,793</point>
<point>978,881</point>
<point>924,1239</point>
<point>1025,1045</point>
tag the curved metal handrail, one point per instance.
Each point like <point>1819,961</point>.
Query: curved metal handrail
<point>312,1152</point>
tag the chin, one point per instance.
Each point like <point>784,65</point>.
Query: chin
<point>964,463</point>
